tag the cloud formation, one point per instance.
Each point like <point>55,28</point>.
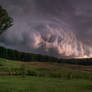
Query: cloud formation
<point>60,28</point>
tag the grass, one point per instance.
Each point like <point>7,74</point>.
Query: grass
<point>44,77</point>
<point>43,69</point>
<point>41,84</point>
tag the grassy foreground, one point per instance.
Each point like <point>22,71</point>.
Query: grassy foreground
<point>44,77</point>
<point>41,84</point>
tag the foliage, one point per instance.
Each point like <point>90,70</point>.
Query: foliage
<point>5,20</point>
<point>16,55</point>
<point>28,57</point>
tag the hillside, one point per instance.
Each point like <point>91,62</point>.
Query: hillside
<point>36,76</point>
<point>49,69</point>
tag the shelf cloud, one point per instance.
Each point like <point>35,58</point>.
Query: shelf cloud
<point>61,28</point>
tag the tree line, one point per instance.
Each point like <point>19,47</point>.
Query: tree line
<point>21,56</point>
<point>30,57</point>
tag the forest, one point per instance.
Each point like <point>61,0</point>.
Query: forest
<point>30,57</point>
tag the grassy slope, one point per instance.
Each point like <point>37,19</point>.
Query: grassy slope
<point>46,69</point>
<point>45,80</point>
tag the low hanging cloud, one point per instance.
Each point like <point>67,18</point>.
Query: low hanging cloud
<point>60,28</point>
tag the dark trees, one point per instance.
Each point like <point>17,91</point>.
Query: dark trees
<point>5,20</point>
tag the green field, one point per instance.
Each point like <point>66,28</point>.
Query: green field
<point>18,76</point>
<point>41,84</point>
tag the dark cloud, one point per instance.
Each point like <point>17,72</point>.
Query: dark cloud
<point>61,27</point>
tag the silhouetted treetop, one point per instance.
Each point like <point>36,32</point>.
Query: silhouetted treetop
<point>5,20</point>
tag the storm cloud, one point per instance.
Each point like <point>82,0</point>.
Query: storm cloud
<point>61,28</point>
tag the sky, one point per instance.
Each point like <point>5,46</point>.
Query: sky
<point>60,28</point>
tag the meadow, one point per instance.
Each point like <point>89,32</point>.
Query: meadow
<point>41,84</point>
<point>35,76</point>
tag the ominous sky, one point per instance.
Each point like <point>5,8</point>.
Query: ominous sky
<point>61,28</point>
